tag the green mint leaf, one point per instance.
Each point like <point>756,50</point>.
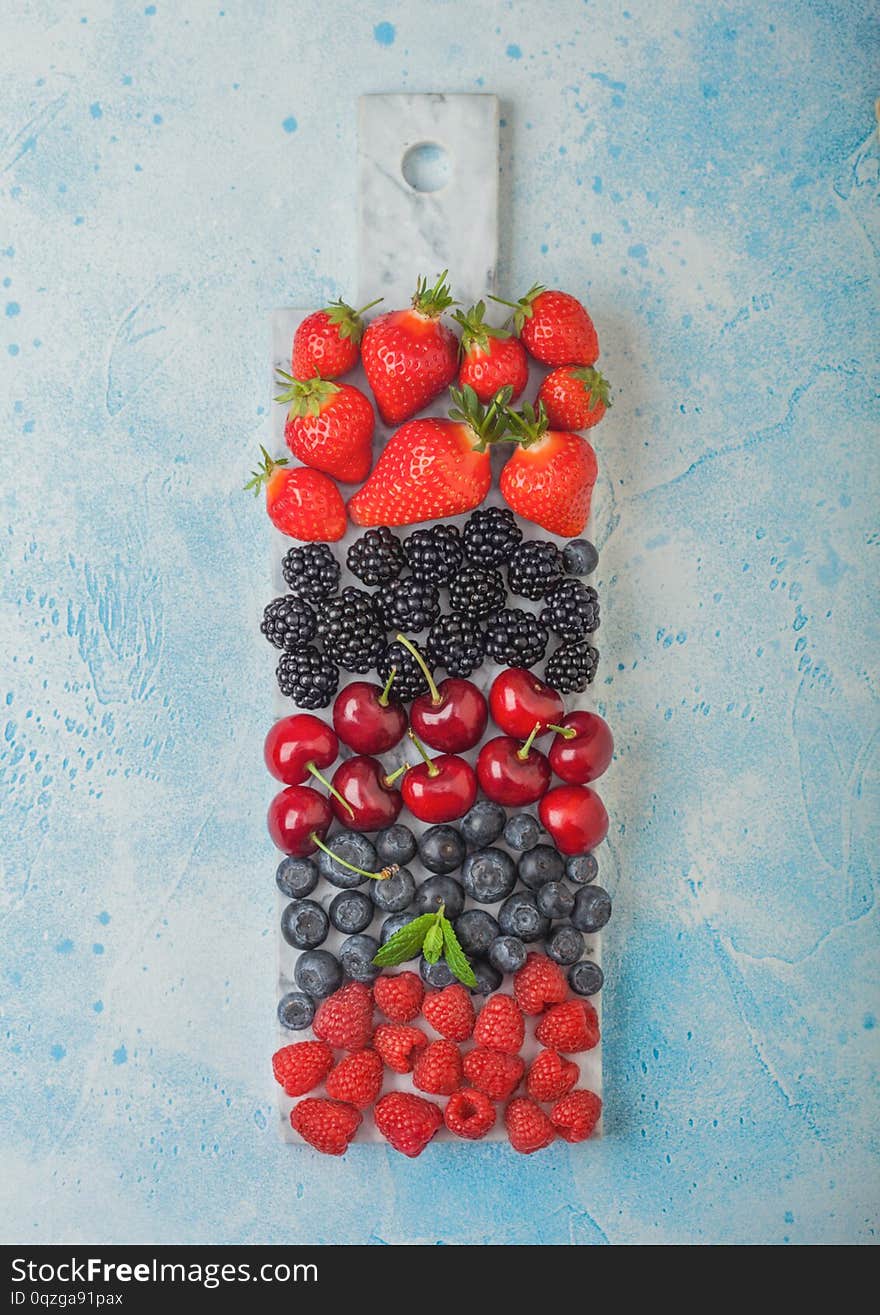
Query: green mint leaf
<point>455,956</point>
<point>406,943</point>
<point>433,943</point>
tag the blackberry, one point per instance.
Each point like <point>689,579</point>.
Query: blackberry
<point>491,536</point>
<point>352,632</point>
<point>580,557</point>
<point>409,679</point>
<point>572,610</point>
<point>516,638</point>
<point>411,604</point>
<point>572,668</point>
<point>311,571</point>
<point>288,623</point>
<point>308,677</point>
<point>376,557</point>
<point>436,554</point>
<point>535,568</point>
<point>477,592</point>
<point>456,643</point>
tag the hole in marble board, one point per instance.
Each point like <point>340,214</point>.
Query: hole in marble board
<point>426,167</point>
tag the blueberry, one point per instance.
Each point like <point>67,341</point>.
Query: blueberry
<point>582,869</point>
<point>543,863</point>
<point>555,899</point>
<point>507,954</point>
<point>318,973</point>
<point>355,849</point>
<point>580,557</point>
<point>304,924</point>
<point>441,849</point>
<point>564,945</point>
<point>483,824</point>
<point>436,974</point>
<point>522,831</point>
<point>592,908</point>
<point>489,875</point>
<point>488,978</point>
<point>440,890</point>
<point>519,916</point>
<point>586,977</point>
<point>351,911</point>
<point>296,1011</point>
<point>356,956</point>
<point>296,877</point>
<point>393,924</point>
<point>396,844</point>
<point>476,930</point>
<point>394,894</point>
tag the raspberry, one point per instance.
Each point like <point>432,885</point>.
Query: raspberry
<point>450,1012</point>
<point>398,1045</point>
<point>399,996</point>
<point>571,1027</point>
<point>470,1114</point>
<point>328,1125</point>
<point>539,983</point>
<point>406,1121</point>
<point>550,1076</point>
<point>528,1127</point>
<point>301,1066</point>
<point>345,1018</point>
<point>576,1115</point>
<point>356,1079</point>
<point>500,1025</point>
<point>437,1069</point>
<point>491,1072</point>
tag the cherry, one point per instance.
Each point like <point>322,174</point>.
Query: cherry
<point>453,715</point>
<point>585,755</point>
<point>368,800</point>
<point>367,718</point>
<point>518,700</point>
<point>439,789</point>
<point>575,817</point>
<point>297,746</point>
<point>298,817</point>
<point>511,773</point>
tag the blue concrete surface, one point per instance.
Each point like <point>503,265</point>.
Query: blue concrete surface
<point>707,176</point>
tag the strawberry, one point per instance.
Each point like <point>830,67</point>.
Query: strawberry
<point>539,983</point>
<point>575,1116</point>
<point>550,477</point>
<point>356,1079</point>
<point>326,343</point>
<point>500,1024</point>
<point>301,503</point>
<point>549,1077</point>
<point>450,1012</point>
<point>528,1127</point>
<point>328,1125</point>
<point>301,1066</point>
<point>406,1121</point>
<point>491,359</point>
<point>437,1069</point>
<point>398,1045</point>
<point>433,468</point>
<point>399,996</point>
<point>574,397</point>
<point>345,1018</point>
<point>554,327</point>
<point>571,1027</point>
<point>408,355</point>
<point>470,1114</point>
<point>329,427</point>
<point>491,1071</point>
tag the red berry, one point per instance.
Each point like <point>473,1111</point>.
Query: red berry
<point>491,358</point>
<point>356,1079</point>
<point>301,503</point>
<point>406,1121</point>
<point>437,1069</point>
<point>575,1116</point>
<point>574,397</point>
<point>470,1114</point>
<point>539,983</point>
<point>571,1027</point>
<point>329,427</point>
<point>345,1018</point>
<point>555,328</point>
<point>301,1066</point>
<point>500,1024</point>
<point>326,343</point>
<point>575,817</point>
<point>496,1074</point>
<point>328,1125</point>
<point>399,1044</point>
<point>550,480</point>
<point>409,357</point>
<point>528,1127</point>
<point>296,815</point>
<point>550,1076</point>
<point>399,996</point>
<point>586,754</point>
<point>450,1012</point>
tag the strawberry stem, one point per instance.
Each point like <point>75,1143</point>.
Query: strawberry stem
<point>432,302</point>
<point>528,425</point>
<point>382,875</point>
<point>319,776</point>
<point>523,308</point>
<point>433,769</point>
<point>436,696</point>
<point>525,749</point>
<point>263,472</point>
<point>567,732</point>
<point>307,397</point>
<point>384,697</point>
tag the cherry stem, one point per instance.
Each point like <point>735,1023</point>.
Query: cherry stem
<point>523,752</point>
<point>385,873</point>
<point>433,769</point>
<point>384,696</point>
<point>436,696</point>
<point>319,776</point>
<point>390,779</point>
<point>567,732</point>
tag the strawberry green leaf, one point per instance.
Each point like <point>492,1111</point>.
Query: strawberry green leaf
<point>455,956</point>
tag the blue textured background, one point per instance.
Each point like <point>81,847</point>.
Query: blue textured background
<point>707,175</point>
